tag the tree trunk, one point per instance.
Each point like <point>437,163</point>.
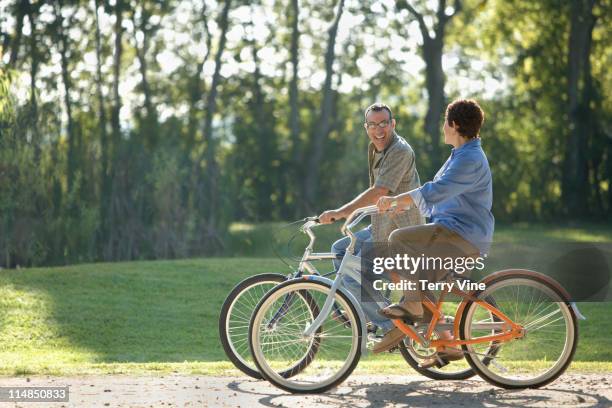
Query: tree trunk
<point>266,180</point>
<point>67,102</point>
<point>434,83</point>
<point>105,181</point>
<point>318,139</point>
<point>34,56</point>
<point>115,115</point>
<point>432,51</point>
<point>150,122</point>
<point>294,120</point>
<point>116,131</point>
<point>211,166</point>
<point>23,8</point>
<point>608,170</point>
<point>191,193</point>
<point>196,86</point>
<point>575,188</point>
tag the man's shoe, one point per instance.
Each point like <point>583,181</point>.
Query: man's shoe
<point>443,358</point>
<point>391,339</point>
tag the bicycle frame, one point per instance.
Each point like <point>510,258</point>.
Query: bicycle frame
<point>510,329</point>
<point>350,267</point>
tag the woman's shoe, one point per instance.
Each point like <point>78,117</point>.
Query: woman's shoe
<point>442,358</point>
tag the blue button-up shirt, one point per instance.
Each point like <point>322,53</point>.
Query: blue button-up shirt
<point>460,195</point>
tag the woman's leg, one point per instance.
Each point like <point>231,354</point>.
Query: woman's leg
<point>428,241</point>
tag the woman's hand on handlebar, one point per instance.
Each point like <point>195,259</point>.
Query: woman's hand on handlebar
<point>386,203</point>
<point>329,216</point>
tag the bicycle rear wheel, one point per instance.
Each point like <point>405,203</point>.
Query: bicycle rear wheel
<point>551,332</point>
<point>277,344</point>
<point>414,353</point>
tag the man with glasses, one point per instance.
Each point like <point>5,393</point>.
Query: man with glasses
<point>392,171</point>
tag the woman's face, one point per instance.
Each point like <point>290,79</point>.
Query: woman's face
<point>450,134</point>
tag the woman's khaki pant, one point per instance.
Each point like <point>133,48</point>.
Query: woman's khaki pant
<point>428,242</point>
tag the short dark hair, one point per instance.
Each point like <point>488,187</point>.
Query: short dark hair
<point>467,116</point>
<point>378,107</point>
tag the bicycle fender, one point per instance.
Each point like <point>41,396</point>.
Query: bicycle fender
<point>541,276</point>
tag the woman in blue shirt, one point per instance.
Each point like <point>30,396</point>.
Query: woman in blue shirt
<point>458,201</point>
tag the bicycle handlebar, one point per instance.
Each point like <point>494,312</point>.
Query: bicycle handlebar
<point>347,228</point>
<point>355,218</point>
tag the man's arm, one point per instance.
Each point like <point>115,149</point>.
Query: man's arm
<point>368,197</point>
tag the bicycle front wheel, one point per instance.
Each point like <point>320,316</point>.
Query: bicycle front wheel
<point>550,332</point>
<point>236,315</point>
<point>278,342</point>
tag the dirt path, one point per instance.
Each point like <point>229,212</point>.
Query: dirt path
<point>572,390</point>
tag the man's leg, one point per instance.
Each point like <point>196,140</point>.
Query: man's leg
<point>370,308</point>
<point>339,247</point>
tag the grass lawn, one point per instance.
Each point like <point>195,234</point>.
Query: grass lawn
<point>161,316</point>
<point>267,238</point>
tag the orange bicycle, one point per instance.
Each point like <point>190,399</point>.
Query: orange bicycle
<point>525,338</point>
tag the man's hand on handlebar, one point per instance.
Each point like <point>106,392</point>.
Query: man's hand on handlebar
<point>329,216</point>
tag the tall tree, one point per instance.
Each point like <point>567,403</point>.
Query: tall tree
<point>266,174</point>
<point>64,60</point>
<point>32,13</point>
<point>432,51</point>
<point>324,125</point>
<point>196,86</point>
<point>114,195</point>
<point>143,31</point>
<point>575,187</point>
<point>294,114</point>
<point>105,180</point>
<point>212,240</point>
<point>22,8</point>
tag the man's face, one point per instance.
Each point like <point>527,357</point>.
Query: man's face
<point>379,127</point>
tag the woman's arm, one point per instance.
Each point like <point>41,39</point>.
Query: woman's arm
<point>460,175</point>
<point>401,201</point>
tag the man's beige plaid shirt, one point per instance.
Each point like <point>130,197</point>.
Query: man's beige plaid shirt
<point>395,170</point>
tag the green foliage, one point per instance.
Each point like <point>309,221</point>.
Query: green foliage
<point>142,190</point>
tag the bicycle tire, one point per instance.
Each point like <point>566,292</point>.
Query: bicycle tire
<point>239,361</point>
<point>278,379</point>
<point>522,276</point>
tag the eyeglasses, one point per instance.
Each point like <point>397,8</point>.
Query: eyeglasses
<point>383,124</point>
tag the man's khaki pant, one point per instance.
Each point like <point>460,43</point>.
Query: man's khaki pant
<point>429,241</point>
